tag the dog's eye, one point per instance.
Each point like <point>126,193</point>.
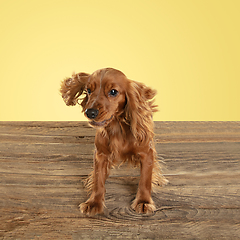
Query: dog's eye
<point>113,93</point>
<point>89,91</point>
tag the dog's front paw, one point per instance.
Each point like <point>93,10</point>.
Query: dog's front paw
<point>143,207</point>
<point>91,208</point>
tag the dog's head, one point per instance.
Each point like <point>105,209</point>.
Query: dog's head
<point>104,94</point>
<point>108,94</point>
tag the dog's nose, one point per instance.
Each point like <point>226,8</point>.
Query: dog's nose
<point>91,113</point>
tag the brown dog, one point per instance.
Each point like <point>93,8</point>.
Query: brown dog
<point>121,111</point>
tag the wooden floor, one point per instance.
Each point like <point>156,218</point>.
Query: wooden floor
<point>43,165</point>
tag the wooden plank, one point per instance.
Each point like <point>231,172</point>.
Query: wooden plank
<point>43,165</point>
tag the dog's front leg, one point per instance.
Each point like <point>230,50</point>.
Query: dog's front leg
<point>143,202</point>
<point>95,204</point>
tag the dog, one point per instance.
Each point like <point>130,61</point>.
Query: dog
<point>121,111</point>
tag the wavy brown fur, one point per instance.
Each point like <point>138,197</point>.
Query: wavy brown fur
<point>123,118</point>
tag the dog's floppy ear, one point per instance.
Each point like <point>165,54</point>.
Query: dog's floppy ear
<point>72,88</point>
<point>139,109</point>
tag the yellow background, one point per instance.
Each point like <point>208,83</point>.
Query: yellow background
<point>189,50</point>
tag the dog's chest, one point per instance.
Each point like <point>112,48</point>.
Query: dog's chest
<point>118,143</point>
<point>122,147</point>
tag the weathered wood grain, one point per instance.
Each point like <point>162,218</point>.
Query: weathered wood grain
<point>43,165</point>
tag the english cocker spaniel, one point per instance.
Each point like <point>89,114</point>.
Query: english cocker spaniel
<point>121,111</point>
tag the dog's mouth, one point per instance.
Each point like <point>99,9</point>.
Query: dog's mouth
<point>101,124</point>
